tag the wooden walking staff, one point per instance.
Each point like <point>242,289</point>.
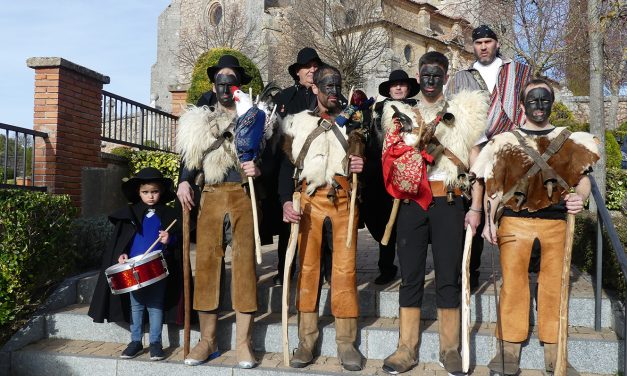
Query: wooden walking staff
<point>186,281</point>
<point>356,147</point>
<point>287,271</point>
<point>562,334</point>
<point>466,300</point>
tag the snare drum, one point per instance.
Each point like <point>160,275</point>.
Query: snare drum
<point>137,272</point>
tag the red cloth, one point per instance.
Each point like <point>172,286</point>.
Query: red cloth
<point>405,170</point>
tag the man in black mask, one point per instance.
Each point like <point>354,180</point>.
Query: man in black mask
<point>432,212</point>
<point>534,207</point>
<point>205,140</point>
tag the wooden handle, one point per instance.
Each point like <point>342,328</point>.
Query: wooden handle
<point>287,271</point>
<point>388,228</point>
<point>466,300</point>
<point>351,213</point>
<point>186,282</point>
<point>154,244</point>
<point>562,334</point>
<point>253,200</point>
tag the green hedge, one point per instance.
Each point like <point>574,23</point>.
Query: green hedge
<point>584,250</point>
<point>91,236</point>
<point>167,163</point>
<point>200,82</point>
<point>36,250</point>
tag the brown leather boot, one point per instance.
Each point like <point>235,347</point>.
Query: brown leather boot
<point>405,356</point>
<point>550,360</point>
<point>508,361</point>
<point>206,349</point>
<point>244,329</point>
<point>307,337</point>
<point>345,338</point>
<point>449,320</point>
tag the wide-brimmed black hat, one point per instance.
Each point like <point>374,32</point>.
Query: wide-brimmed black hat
<point>399,76</point>
<point>304,56</point>
<point>130,188</point>
<point>229,61</point>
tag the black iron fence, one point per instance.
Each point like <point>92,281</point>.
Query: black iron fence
<point>605,220</point>
<point>129,123</point>
<point>17,157</point>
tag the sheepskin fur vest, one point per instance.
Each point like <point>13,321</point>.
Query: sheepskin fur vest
<point>469,109</point>
<point>198,128</point>
<point>503,164</point>
<point>325,156</point>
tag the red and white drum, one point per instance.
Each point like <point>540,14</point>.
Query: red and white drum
<point>137,272</point>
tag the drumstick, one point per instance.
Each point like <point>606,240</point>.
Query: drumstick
<point>157,241</point>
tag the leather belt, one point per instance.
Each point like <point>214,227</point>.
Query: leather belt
<point>440,189</point>
<point>342,181</point>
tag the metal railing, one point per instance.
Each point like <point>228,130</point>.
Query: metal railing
<point>133,124</point>
<point>605,220</point>
<point>17,157</point>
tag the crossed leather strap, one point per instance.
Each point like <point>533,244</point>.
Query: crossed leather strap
<point>540,164</point>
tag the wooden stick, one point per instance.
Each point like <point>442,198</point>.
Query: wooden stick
<point>186,281</point>
<point>562,335</point>
<point>253,200</point>
<point>388,228</point>
<point>466,300</point>
<point>287,271</point>
<point>351,212</point>
<point>157,241</point>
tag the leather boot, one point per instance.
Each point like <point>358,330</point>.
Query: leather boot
<point>345,338</point>
<point>307,337</point>
<point>506,362</point>
<point>449,320</point>
<point>405,356</point>
<point>206,349</point>
<point>244,329</point>
<point>550,360</point>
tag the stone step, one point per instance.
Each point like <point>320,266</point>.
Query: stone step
<point>590,351</point>
<point>377,301</point>
<point>55,357</point>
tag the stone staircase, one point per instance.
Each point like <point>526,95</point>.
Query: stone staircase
<point>63,340</point>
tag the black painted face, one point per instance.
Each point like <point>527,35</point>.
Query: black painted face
<point>223,84</point>
<point>432,78</point>
<point>329,90</point>
<point>538,103</point>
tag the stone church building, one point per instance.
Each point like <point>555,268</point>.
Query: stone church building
<point>410,27</point>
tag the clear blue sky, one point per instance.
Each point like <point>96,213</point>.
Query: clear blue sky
<point>117,38</point>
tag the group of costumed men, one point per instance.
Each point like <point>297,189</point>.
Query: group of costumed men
<point>431,161</point>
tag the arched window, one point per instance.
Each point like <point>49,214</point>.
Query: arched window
<point>215,13</point>
<point>409,53</point>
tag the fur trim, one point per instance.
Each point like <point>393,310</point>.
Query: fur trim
<point>325,155</point>
<point>470,109</point>
<point>198,129</point>
<point>388,111</point>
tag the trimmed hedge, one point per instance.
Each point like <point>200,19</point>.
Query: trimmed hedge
<point>584,250</point>
<point>167,163</point>
<point>91,236</point>
<point>200,82</point>
<point>35,250</point>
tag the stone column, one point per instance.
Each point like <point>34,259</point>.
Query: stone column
<point>179,98</point>
<point>68,102</point>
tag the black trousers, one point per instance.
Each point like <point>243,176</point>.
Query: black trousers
<point>442,224</point>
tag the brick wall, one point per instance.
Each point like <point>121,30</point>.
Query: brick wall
<point>68,107</point>
<point>178,93</point>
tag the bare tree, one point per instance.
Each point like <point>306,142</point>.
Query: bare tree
<point>230,29</point>
<point>347,34</point>
<point>597,124</point>
<point>614,26</point>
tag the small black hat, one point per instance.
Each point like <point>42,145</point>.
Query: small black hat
<point>483,31</point>
<point>228,61</point>
<point>396,76</point>
<point>304,56</point>
<point>130,188</point>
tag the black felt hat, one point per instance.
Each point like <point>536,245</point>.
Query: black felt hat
<point>304,56</point>
<point>130,188</point>
<point>399,76</point>
<point>229,61</point>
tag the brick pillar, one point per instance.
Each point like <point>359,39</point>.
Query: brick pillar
<point>68,100</point>
<point>179,98</point>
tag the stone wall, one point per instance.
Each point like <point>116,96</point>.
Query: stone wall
<point>580,106</point>
<point>165,71</point>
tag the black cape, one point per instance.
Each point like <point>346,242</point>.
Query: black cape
<point>127,221</point>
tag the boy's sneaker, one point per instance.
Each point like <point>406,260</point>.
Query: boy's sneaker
<point>156,351</point>
<point>132,350</point>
